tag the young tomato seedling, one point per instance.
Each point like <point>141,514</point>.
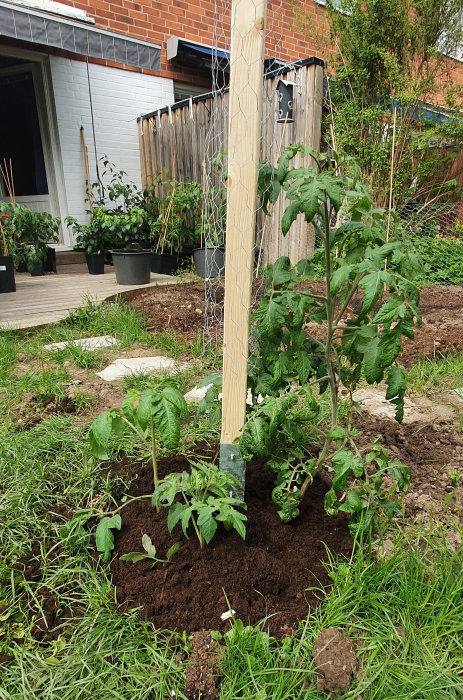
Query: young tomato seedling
<point>206,498</point>
<point>150,553</point>
<point>151,415</point>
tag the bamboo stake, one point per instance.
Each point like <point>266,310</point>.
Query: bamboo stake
<point>5,245</point>
<point>391,178</point>
<point>87,172</point>
<point>12,181</point>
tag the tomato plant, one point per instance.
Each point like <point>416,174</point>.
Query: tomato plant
<point>309,343</point>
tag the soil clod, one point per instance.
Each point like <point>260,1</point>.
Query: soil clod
<point>335,661</point>
<point>203,667</point>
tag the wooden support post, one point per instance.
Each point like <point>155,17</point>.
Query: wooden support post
<point>245,109</point>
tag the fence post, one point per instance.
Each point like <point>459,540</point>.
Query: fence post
<point>245,110</point>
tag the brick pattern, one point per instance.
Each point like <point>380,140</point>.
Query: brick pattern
<point>295,29</point>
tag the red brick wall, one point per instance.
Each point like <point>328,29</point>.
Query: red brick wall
<point>296,30</point>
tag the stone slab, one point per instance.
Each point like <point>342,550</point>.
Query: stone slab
<point>89,344</point>
<point>125,367</point>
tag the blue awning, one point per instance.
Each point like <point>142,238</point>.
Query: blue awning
<point>205,50</point>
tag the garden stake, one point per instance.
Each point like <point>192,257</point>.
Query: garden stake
<point>87,172</point>
<point>246,57</point>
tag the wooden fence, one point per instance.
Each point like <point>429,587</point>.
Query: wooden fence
<point>180,138</point>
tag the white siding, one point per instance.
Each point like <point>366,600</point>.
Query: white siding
<point>119,97</point>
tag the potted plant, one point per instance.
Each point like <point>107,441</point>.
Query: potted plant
<point>209,258</point>
<point>173,230</point>
<point>93,238</point>
<point>34,230</point>
<point>7,281</point>
<point>131,256</point>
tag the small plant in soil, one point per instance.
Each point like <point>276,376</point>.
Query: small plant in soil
<point>153,416</point>
<point>150,553</point>
<point>206,498</point>
<point>308,343</point>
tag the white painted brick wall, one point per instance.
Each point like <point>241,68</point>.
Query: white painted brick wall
<point>119,97</point>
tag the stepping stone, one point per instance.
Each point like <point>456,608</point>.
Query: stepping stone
<point>199,392</point>
<point>196,394</point>
<point>128,366</point>
<point>90,344</point>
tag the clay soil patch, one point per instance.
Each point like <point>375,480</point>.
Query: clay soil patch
<point>267,574</point>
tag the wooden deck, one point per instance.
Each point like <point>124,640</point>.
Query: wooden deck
<point>39,301</point>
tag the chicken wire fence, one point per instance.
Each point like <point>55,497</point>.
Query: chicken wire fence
<point>274,137</point>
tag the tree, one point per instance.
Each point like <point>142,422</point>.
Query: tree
<point>393,100</point>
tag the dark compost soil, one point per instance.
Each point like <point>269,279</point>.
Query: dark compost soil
<point>181,308</point>
<point>267,574</point>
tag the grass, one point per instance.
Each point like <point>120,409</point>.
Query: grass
<point>430,375</point>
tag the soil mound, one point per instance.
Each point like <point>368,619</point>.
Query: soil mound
<point>277,571</point>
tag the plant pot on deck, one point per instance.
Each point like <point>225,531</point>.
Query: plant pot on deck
<point>95,263</point>
<point>210,262</point>
<point>163,264</point>
<point>49,264</point>
<point>7,283</point>
<point>37,270</point>
<point>132,267</point>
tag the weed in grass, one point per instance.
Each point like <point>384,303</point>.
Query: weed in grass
<point>455,477</point>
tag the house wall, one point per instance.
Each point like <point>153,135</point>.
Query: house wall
<point>295,28</point>
<point>118,97</point>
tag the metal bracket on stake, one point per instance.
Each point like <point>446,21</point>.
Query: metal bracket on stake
<point>232,462</point>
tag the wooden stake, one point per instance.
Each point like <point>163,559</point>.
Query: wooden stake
<point>87,172</point>
<point>246,81</point>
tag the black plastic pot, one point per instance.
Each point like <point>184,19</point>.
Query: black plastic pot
<point>164,264</point>
<point>132,267</point>
<point>210,262</point>
<point>7,283</point>
<point>37,270</point>
<point>95,263</point>
<point>21,266</point>
<point>50,261</point>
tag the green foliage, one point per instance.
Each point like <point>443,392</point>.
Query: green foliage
<point>207,500</point>
<point>178,215</point>
<point>28,232</point>
<point>291,367</point>
<point>150,553</point>
<point>104,535</point>
<point>364,497</point>
<point>113,191</point>
<point>390,56</point>
<point>441,258</point>
<point>151,415</point>
<point>97,236</point>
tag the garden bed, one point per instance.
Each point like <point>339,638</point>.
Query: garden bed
<point>276,572</point>
<point>181,309</point>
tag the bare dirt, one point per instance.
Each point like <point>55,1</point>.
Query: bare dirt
<point>203,667</point>
<point>181,308</point>
<point>268,574</point>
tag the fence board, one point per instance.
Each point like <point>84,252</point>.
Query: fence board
<point>198,139</point>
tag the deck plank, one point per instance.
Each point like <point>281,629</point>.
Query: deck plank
<point>40,301</point>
